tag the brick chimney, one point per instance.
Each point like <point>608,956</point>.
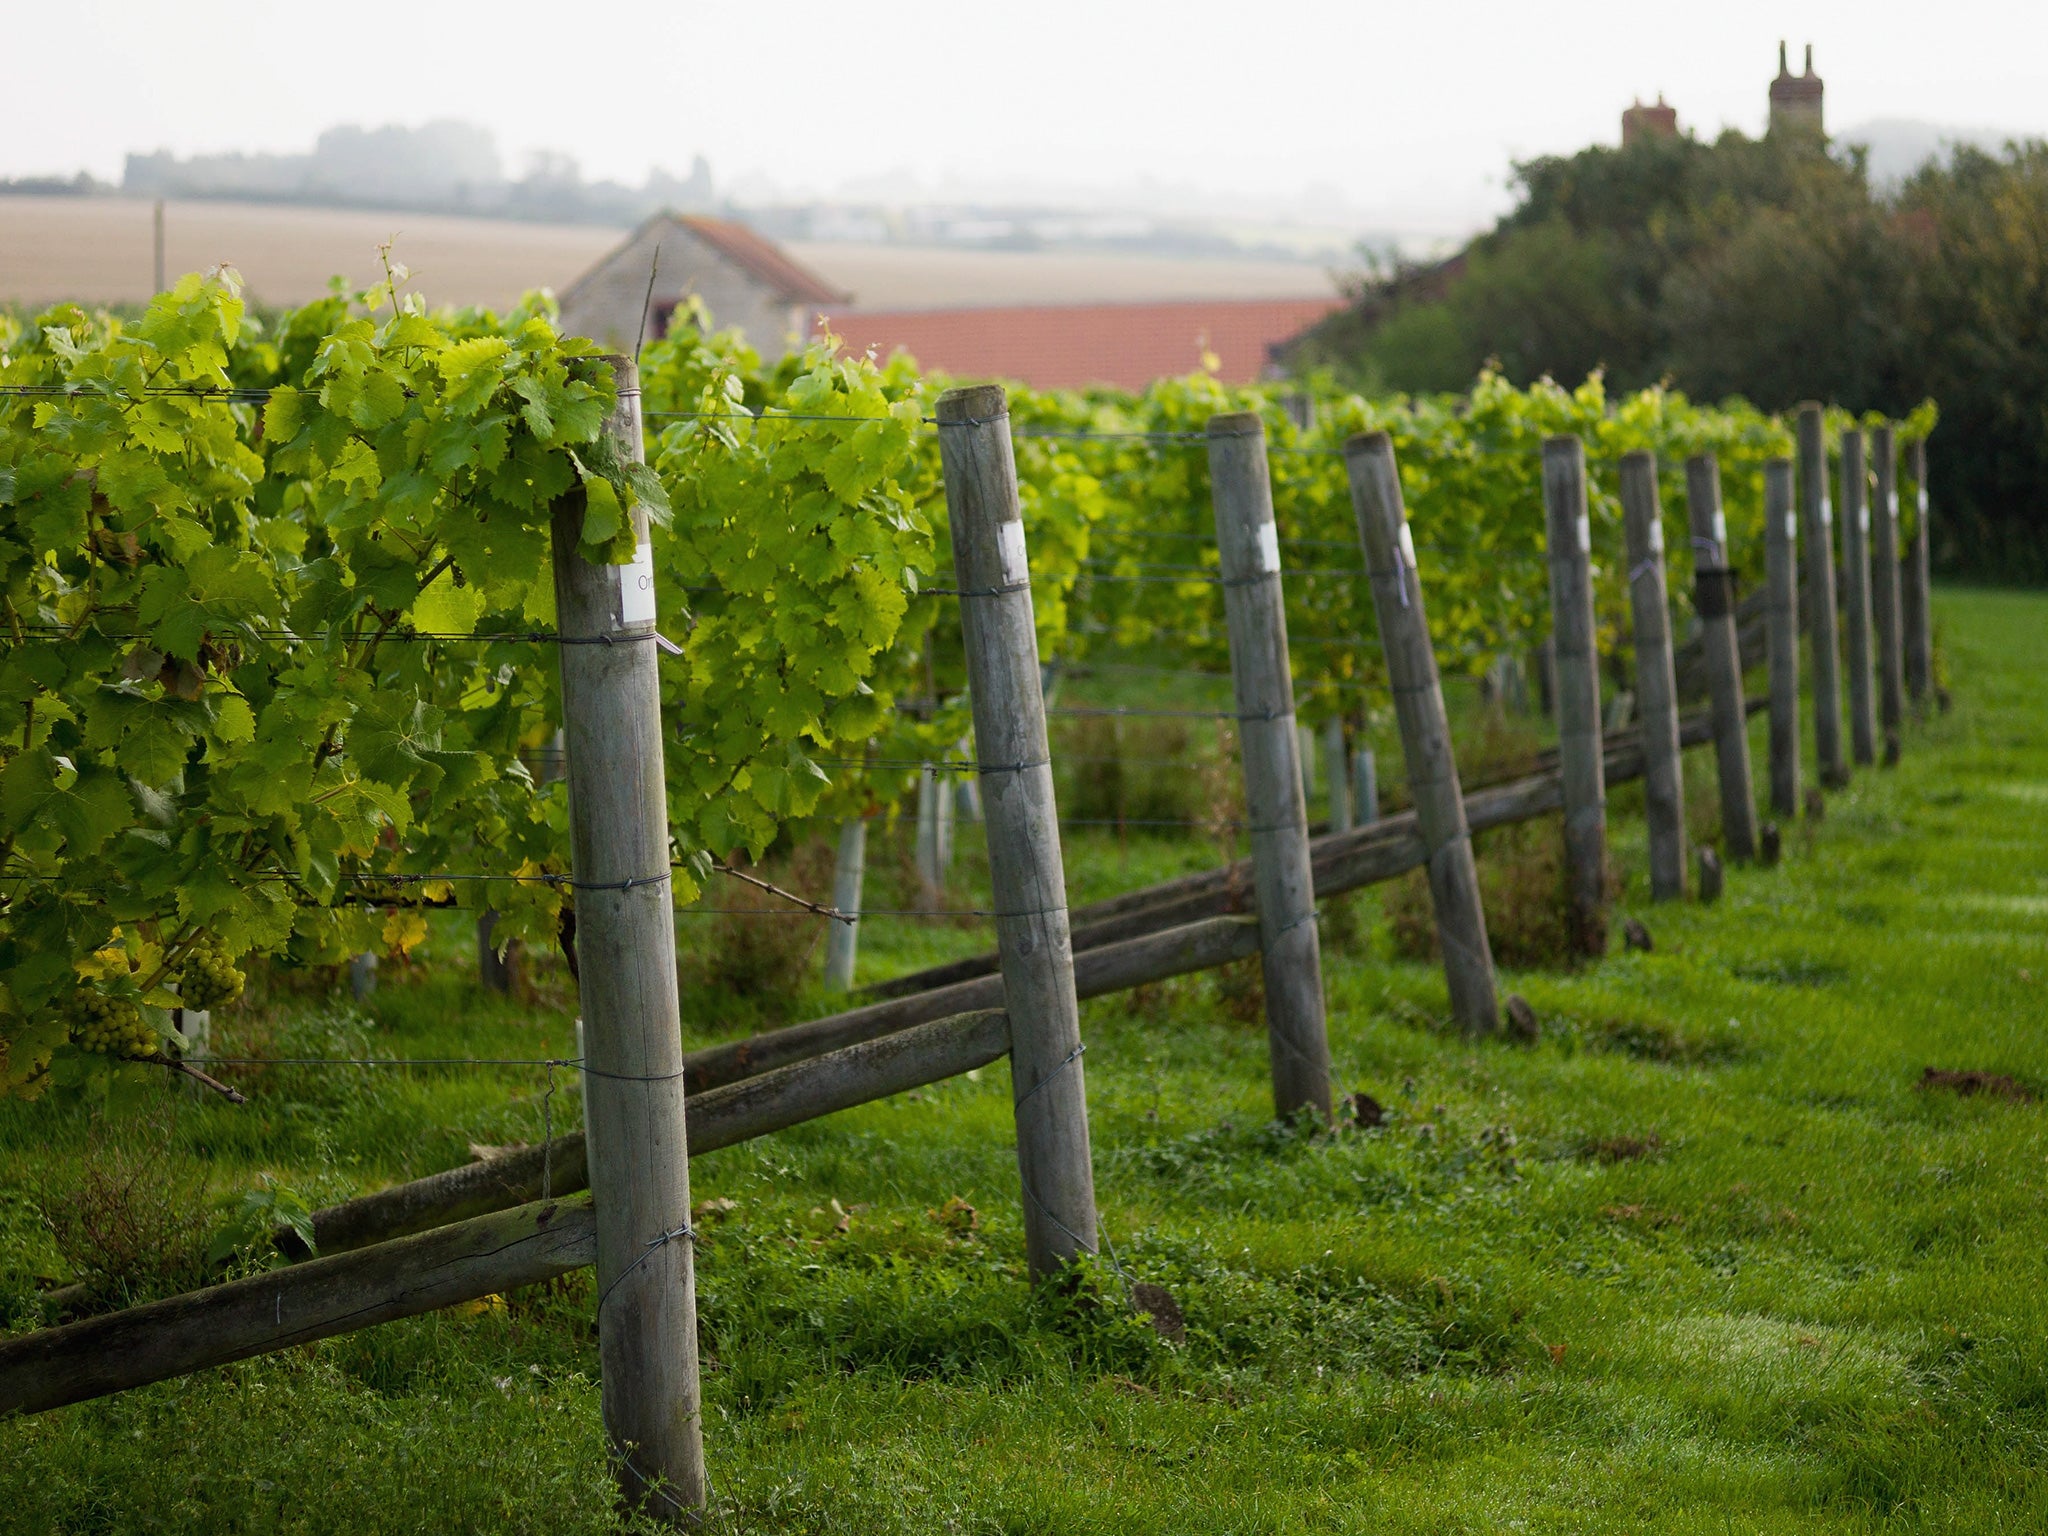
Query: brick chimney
<point>1796,99</point>
<point>1641,122</point>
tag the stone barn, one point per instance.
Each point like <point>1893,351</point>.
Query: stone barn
<point>746,281</point>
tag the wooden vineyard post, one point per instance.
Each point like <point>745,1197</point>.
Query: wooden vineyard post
<point>496,968</point>
<point>1268,746</point>
<point>1579,747</point>
<point>1817,519</point>
<point>966,792</point>
<point>1884,590</point>
<point>849,873</point>
<point>1335,775</point>
<point>1656,677</point>
<point>1856,599</point>
<point>632,1029</point>
<point>1425,730</point>
<point>1021,821</point>
<point>1781,573</point>
<point>934,832</point>
<point>1714,598</point>
<point>1365,787</point>
<point>1919,647</point>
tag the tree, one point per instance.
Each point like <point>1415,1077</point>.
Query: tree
<point>1767,269</point>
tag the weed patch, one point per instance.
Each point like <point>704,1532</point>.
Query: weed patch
<point>1792,971</point>
<point>1622,1149</point>
<point>1522,889</point>
<point>1970,1084</point>
<point>134,1222</point>
<point>760,945</point>
<point>1658,1040</point>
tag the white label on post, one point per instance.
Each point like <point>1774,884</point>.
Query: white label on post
<point>1863,518</point>
<point>1269,548</point>
<point>1923,501</point>
<point>1893,503</point>
<point>1407,546</point>
<point>1656,536</point>
<point>1585,534</point>
<point>1827,512</point>
<point>636,586</point>
<point>1720,528</point>
<point>1010,546</point>
<point>1791,527</point>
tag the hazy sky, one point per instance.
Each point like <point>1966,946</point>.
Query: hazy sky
<point>1410,111</point>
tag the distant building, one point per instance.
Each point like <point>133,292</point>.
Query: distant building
<point>1795,99</point>
<point>747,282</point>
<point>1071,346</point>
<point>1641,122</point>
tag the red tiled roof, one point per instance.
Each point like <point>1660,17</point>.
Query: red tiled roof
<point>1065,346</point>
<point>765,259</point>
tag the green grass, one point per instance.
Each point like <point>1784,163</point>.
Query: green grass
<point>1702,1260</point>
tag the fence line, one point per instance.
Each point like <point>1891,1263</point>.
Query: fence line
<point>640,1236</point>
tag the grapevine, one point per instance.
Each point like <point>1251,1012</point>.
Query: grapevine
<point>274,603</point>
<point>107,1026</point>
<point>208,977</point>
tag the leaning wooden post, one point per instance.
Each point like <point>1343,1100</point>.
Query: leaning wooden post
<point>1884,590</point>
<point>632,1027</point>
<point>1919,645</point>
<point>1425,730</point>
<point>1781,573</point>
<point>1021,822</point>
<point>1817,520</point>
<point>1269,747</point>
<point>1656,676</point>
<point>1856,599</point>
<point>1713,595</point>
<point>1580,751</point>
<point>849,873</point>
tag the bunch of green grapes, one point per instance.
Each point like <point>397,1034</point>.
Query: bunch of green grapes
<point>209,977</point>
<point>111,1026</point>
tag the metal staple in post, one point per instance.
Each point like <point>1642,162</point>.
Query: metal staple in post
<point>1021,822</point>
<point>1425,730</point>
<point>1269,748</point>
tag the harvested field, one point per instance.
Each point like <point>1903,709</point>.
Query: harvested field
<point>97,250</point>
